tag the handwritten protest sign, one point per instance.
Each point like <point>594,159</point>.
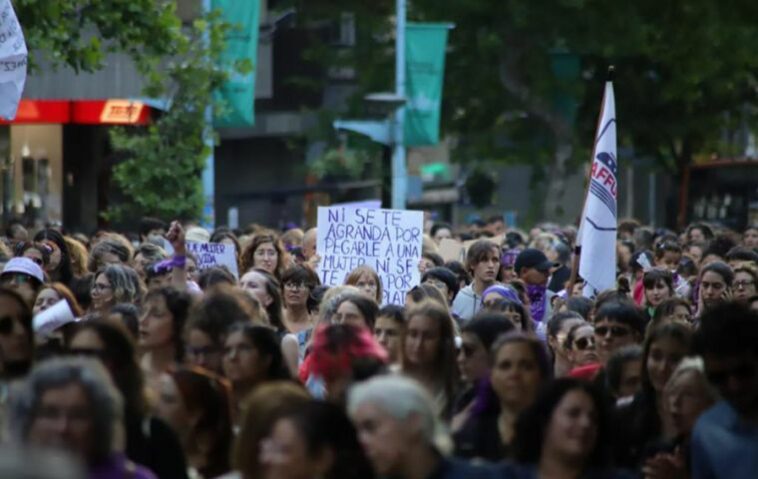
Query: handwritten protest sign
<point>13,56</point>
<point>214,254</point>
<point>53,318</point>
<point>389,241</point>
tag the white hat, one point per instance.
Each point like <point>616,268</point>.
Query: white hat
<point>26,266</point>
<point>198,235</point>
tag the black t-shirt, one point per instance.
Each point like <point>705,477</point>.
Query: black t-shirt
<point>153,444</point>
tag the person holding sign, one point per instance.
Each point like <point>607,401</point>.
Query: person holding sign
<point>483,261</point>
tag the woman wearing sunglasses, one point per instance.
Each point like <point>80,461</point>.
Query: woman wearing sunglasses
<point>37,252</point>
<point>580,345</point>
<point>23,276</point>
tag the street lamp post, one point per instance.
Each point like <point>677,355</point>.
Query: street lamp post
<point>390,131</point>
<point>399,169</point>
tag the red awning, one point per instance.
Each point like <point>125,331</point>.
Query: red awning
<point>82,112</point>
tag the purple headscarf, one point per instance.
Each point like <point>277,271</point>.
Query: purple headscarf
<point>502,290</point>
<point>508,258</point>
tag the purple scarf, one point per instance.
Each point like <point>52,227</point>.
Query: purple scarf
<point>536,295</point>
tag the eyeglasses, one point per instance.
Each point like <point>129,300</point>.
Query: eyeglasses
<point>15,278</point>
<point>743,283</point>
<point>584,343</point>
<point>295,286</point>
<point>100,287</point>
<point>39,261</point>
<point>616,331</point>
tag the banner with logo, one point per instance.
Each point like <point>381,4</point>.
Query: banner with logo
<point>597,231</point>
<point>238,93</point>
<point>425,45</point>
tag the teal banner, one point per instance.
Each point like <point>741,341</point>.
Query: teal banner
<point>238,94</point>
<point>424,72</point>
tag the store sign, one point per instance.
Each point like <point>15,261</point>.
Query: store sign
<point>121,111</point>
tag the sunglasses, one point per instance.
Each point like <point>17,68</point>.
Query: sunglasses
<point>15,278</point>
<point>584,343</point>
<point>616,331</point>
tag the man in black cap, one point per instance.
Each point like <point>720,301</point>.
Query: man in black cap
<point>533,268</point>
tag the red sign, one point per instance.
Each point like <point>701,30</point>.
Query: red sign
<point>82,112</point>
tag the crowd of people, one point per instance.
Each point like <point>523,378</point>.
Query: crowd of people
<point>496,366</point>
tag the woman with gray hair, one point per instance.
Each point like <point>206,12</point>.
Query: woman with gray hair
<point>112,285</point>
<point>108,251</point>
<point>403,437</point>
<point>71,405</point>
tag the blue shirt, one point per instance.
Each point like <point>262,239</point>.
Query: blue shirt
<point>724,446</point>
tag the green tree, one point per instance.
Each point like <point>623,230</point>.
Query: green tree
<point>682,67</point>
<point>79,34</point>
<point>161,173</point>
<point>161,176</point>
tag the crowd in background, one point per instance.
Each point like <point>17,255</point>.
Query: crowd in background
<point>496,366</point>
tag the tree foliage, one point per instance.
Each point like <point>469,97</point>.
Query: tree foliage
<point>161,175</point>
<point>524,78</point>
<point>79,34</point>
<point>163,163</point>
<point>684,68</point>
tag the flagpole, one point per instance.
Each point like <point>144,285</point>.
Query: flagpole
<point>578,247</point>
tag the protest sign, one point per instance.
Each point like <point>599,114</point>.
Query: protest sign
<point>13,56</point>
<point>53,318</point>
<point>451,250</point>
<point>214,254</point>
<point>389,241</point>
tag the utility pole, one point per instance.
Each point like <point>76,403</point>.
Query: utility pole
<point>399,169</point>
<point>209,177</point>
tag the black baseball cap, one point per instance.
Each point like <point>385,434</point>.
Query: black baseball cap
<point>533,258</point>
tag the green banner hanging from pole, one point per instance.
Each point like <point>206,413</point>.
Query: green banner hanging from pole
<point>425,45</point>
<point>238,93</point>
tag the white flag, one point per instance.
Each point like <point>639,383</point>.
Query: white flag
<point>597,231</point>
<point>13,56</point>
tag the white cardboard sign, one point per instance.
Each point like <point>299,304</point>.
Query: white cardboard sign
<point>214,254</point>
<point>53,318</point>
<point>389,241</point>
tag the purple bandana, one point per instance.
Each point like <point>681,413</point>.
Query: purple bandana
<point>536,295</point>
